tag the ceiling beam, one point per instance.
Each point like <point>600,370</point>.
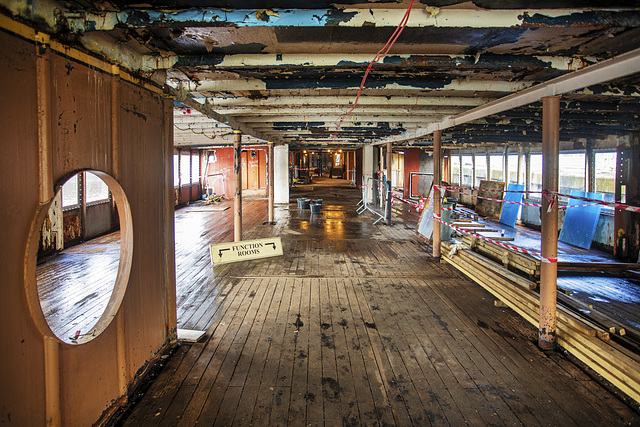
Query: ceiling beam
<point>342,102</point>
<point>418,83</point>
<point>420,17</point>
<point>251,112</point>
<point>620,66</point>
<point>355,60</point>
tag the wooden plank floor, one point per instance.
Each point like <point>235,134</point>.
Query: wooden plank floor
<point>354,325</point>
<point>75,285</point>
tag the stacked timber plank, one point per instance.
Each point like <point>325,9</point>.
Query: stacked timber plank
<point>514,261</point>
<point>588,342</point>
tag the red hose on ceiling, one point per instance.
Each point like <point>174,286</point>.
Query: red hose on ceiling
<point>379,56</point>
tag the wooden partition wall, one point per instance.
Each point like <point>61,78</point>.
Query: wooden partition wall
<point>63,112</point>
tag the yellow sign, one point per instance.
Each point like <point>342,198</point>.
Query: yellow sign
<point>242,251</point>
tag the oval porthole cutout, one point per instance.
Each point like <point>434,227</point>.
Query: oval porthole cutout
<point>79,257</point>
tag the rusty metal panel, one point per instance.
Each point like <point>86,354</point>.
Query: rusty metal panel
<point>51,235</point>
<point>72,226</point>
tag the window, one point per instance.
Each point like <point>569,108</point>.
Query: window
<point>70,192</point>
<point>495,166</point>
<point>338,160</point>
<point>481,168</point>
<point>176,171</point>
<point>185,168</point>
<point>467,171</point>
<point>455,170</point>
<point>195,168</point>
<point>535,174</point>
<point>96,189</point>
<point>513,168</point>
<point>605,175</point>
<point>571,172</point>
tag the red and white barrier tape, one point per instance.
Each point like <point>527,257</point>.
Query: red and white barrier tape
<point>552,196</point>
<point>415,205</point>
<point>447,187</point>
<point>536,205</point>
<point>438,218</point>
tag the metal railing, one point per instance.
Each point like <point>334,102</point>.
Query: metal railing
<point>376,197</point>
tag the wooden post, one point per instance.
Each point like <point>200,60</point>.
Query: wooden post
<point>505,162</point>
<point>519,170</point>
<point>237,179</point>
<point>590,166</point>
<point>527,171</point>
<point>437,180</point>
<point>168,209</point>
<point>271,181</point>
<point>549,243</point>
<point>389,196</point>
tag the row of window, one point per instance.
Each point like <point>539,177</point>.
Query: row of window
<point>95,190</point>
<point>186,169</point>
<point>572,168</point>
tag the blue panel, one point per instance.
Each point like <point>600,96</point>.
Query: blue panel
<point>510,212</point>
<point>579,224</point>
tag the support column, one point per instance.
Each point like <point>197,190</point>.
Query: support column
<point>520,158</point>
<point>237,180</point>
<point>590,166</point>
<point>389,196</point>
<point>549,243</point>
<point>505,163</point>
<point>437,180</point>
<point>168,209</point>
<point>281,174</point>
<point>271,180</point>
<point>368,169</point>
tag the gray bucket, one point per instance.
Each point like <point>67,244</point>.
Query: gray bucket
<point>303,203</point>
<point>315,208</point>
<point>316,202</point>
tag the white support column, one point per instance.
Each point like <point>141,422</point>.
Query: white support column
<point>281,173</point>
<point>368,167</point>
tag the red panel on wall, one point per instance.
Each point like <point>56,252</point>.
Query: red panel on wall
<point>262,169</point>
<point>219,174</point>
<point>411,164</point>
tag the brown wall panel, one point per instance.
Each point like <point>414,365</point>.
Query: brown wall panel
<point>81,139</point>
<point>21,352</point>
<point>142,163</point>
<point>81,123</point>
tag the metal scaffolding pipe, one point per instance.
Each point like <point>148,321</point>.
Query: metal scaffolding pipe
<point>549,243</point>
<point>437,180</point>
<point>271,180</point>
<point>237,179</point>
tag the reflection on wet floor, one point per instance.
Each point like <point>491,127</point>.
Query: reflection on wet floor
<point>75,285</point>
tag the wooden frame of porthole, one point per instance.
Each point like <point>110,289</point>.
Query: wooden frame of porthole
<point>124,264</point>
